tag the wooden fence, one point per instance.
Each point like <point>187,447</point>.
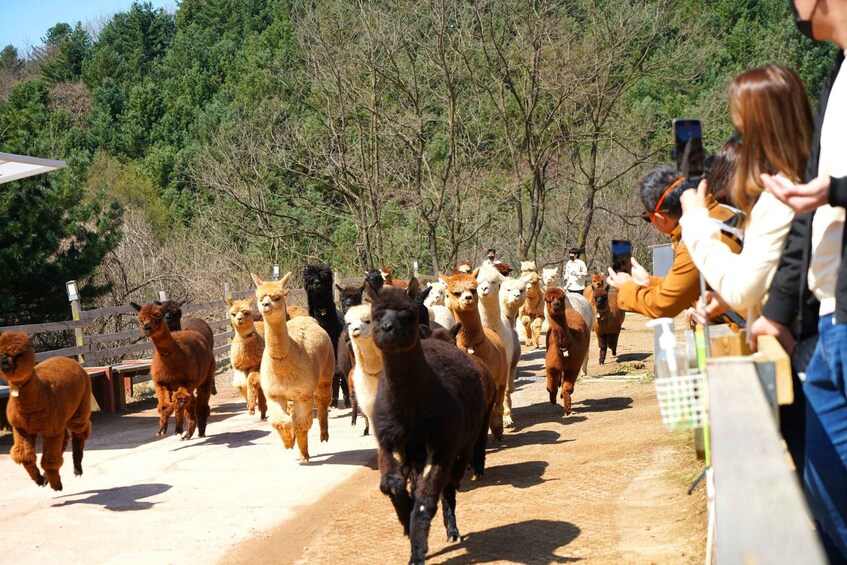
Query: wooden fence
<point>117,359</point>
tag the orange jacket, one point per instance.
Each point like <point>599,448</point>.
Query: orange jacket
<point>668,296</point>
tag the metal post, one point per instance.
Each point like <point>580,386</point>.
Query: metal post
<point>73,298</point>
<point>163,296</point>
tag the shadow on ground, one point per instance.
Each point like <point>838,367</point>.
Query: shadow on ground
<point>119,498</point>
<point>498,544</point>
<point>612,404</point>
<point>630,357</point>
<point>229,439</point>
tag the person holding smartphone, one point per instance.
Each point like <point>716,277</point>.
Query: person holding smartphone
<point>659,297</point>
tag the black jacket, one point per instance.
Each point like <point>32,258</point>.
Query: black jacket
<point>790,297</point>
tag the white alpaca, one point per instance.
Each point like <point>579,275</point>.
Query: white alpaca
<point>581,304</point>
<point>528,267</point>
<point>489,282</point>
<point>368,368</point>
<point>550,278</point>
<point>438,311</point>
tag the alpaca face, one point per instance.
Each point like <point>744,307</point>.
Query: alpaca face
<point>601,297</point>
<point>462,290</point>
<point>350,296</point>
<point>528,267</point>
<point>489,280</point>
<point>436,295</point>
<point>241,313</point>
<point>270,295</point>
<point>317,280</point>
<point>513,293</point>
<point>375,279</point>
<point>394,317</point>
<point>358,320</point>
<point>150,318</point>
<point>533,286</point>
<point>465,266</point>
<point>17,358</point>
<point>556,301</point>
<point>550,277</point>
<point>172,311</point>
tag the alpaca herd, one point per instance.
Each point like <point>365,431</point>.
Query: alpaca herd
<point>431,371</point>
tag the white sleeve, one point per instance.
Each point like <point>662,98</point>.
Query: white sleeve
<point>741,279</point>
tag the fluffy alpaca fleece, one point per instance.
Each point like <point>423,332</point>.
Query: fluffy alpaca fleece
<point>51,399</point>
<point>368,366</point>
<point>390,280</point>
<point>567,346</point>
<point>610,319</point>
<point>512,297</point>
<point>551,278</point>
<point>180,358</point>
<point>172,311</point>
<point>584,307</point>
<point>528,267</point>
<point>317,280</point>
<point>429,419</point>
<point>464,266</point>
<point>489,281</point>
<point>479,341</point>
<point>297,367</point>
<point>531,314</point>
<point>245,354</point>
<point>438,311</point>
<point>183,402</point>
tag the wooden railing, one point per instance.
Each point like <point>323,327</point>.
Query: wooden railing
<point>121,357</point>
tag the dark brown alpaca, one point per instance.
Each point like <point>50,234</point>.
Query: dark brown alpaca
<point>567,345</point>
<point>51,399</point>
<point>429,417</point>
<point>180,359</point>
<point>172,311</point>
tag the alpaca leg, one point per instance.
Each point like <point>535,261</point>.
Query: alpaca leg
<point>497,413</point>
<point>507,398</point>
<point>478,459</point>
<point>567,390</point>
<point>528,331</point>
<point>51,458</point>
<point>204,392</point>
<point>613,343</point>
<point>345,388</point>
<point>585,366</point>
<point>428,490</point>
<point>179,417</point>
<point>252,391</point>
<point>336,385</point>
<point>322,399</point>
<point>448,498</point>
<point>536,331</point>
<point>367,426</point>
<point>355,415</point>
<point>602,340</point>
<point>80,429</point>
<point>165,408</point>
<point>263,404</point>
<point>392,482</point>
<point>23,453</point>
<point>191,413</point>
<point>554,379</point>
<point>302,421</point>
<point>280,420</point>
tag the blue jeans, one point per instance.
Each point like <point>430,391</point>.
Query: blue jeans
<point>825,475</point>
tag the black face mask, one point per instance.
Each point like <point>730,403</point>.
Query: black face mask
<point>805,26</point>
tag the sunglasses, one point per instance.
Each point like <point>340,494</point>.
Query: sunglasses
<point>648,216</point>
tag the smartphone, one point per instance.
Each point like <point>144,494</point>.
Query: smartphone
<point>688,147</point>
<point>622,256</point>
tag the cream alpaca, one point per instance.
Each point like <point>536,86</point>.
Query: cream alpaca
<point>245,354</point>
<point>368,367</point>
<point>297,368</point>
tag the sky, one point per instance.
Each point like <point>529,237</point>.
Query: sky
<point>24,23</point>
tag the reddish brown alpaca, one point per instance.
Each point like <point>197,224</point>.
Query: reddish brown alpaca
<point>567,345</point>
<point>391,281</point>
<point>480,342</point>
<point>49,400</point>
<point>180,359</point>
<point>183,402</point>
<point>609,320</point>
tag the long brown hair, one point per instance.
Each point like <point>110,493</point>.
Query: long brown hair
<point>770,109</point>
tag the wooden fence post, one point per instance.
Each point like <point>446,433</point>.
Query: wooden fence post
<point>73,298</point>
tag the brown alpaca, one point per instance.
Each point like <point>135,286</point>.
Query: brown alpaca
<point>464,266</point>
<point>297,367</point>
<point>179,359</point>
<point>51,400</point>
<point>531,314</point>
<point>567,346</point>
<point>172,311</point>
<point>183,402</point>
<point>597,281</point>
<point>609,320</point>
<point>245,354</point>
<point>479,341</point>
<point>391,281</point>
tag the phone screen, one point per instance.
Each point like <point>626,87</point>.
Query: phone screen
<point>621,256</point>
<point>688,140</point>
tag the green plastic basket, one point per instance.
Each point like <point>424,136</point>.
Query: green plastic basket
<point>682,401</point>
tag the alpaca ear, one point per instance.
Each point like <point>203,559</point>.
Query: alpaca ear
<point>361,289</point>
<point>157,303</point>
<point>425,292</point>
<point>229,301</point>
<point>443,279</point>
<point>339,287</point>
<point>454,331</point>
<point>259,282</point>
<point>475,272</point>
<point>136,306</point>
<point>251,301</point>
<point>284,280</point>
<point>414,288</point>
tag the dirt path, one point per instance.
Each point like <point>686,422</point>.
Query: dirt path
<point>604,485</point>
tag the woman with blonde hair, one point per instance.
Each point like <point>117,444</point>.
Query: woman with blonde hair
<point>771,112</point>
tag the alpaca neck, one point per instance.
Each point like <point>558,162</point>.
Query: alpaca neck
<point>277,341</point>
<point>368,355</point>
<point>406,370</point>
<point>246,332</point>
<point>471,333</point>
<point>489,311</point>
<point>32,395</point>
<point>164,341</point>
<point>510,312</point>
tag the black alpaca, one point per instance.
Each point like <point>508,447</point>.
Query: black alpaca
<point>430,418</point>
<point>317,280</point>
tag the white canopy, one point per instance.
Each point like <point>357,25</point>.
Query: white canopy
<point>14,167</point>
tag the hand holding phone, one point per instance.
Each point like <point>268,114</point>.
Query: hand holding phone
<point>622,256</point>
<point>688,147</point>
